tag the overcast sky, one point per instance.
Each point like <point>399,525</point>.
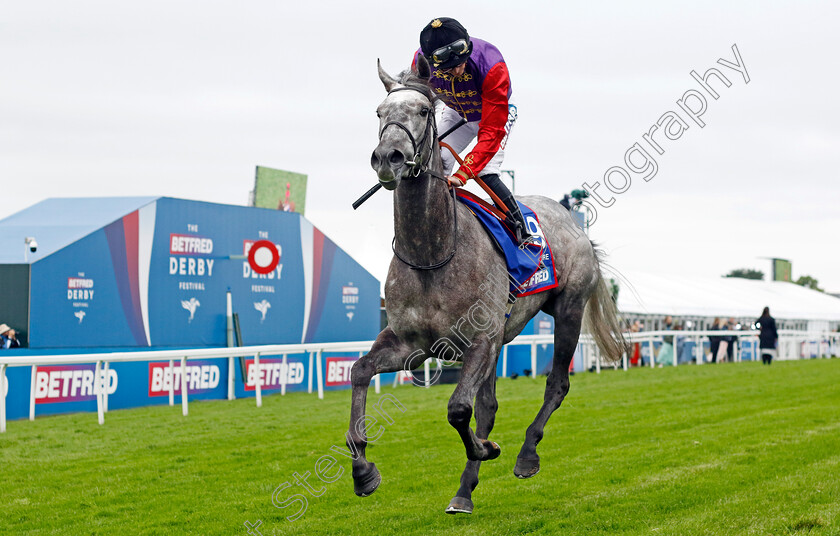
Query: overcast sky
<point>184,99</point>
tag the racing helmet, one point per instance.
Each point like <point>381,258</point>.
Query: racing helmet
<point>445,43</point>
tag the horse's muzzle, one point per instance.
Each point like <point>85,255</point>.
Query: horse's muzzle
<point>389,167</point>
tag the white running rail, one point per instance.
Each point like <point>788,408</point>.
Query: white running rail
<point>792,345</point>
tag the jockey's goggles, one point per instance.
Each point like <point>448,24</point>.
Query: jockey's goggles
<point>442,55</point>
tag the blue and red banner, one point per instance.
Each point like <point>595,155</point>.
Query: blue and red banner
<point>158,277</point>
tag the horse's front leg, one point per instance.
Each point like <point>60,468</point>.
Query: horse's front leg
<point>485,416</point>
<point>387,355</point>
<point>479,365</point>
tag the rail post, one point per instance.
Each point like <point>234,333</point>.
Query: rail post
<point>32,393</point>
<point>320,372</point>
<point>171,382</point>
<point>284,375</point>
<point>258,379</point>
<point>106,381</point>
<point>311,371</point>
<point>675,353</point>
<point>231,377</point>
<point>97,390</point>
<point>184,403</point>
<point>2,398</point>
<point>533,359</point>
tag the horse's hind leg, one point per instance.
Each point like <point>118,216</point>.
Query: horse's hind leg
<point>485,416</point>
<point>568,315</point>
<point>387,355</point>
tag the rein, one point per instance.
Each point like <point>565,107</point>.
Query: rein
<point>418,168</point>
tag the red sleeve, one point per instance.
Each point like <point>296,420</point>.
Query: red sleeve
<point>494,116</point>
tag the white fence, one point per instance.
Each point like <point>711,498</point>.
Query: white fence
<point>792,345</point>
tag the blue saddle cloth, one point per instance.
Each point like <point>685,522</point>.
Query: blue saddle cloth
<point>527,274</point>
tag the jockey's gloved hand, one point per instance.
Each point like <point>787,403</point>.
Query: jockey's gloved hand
<point>461,175</point>
<point>455,181</point>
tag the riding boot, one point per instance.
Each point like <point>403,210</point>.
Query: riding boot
<point>514,215</point>
<point>516,220</point>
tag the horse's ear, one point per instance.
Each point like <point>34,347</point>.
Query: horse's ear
<point>386,78</point>
<point>424,71</point>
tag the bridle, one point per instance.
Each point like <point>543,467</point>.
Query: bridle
<point>419,166</point>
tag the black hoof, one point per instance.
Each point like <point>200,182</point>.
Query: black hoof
<point>459,505</point>
<point>493,450</point>
<point>366,483</point>
<point>526,468</point>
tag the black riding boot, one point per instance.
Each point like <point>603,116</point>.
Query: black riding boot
<point>517,222</point>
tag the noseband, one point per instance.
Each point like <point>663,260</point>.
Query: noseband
<point>418,167</point>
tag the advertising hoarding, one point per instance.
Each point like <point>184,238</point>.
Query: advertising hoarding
<point>159,277</point>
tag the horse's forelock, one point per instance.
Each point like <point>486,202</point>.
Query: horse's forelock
<point>410,79</point>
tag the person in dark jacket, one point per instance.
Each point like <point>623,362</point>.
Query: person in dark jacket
<point>714,342</point>
<point>8,337</point>
<point>768,338</point>
<point>731,325</point>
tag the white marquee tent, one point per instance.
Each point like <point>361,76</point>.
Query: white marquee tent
<point>668,294</point>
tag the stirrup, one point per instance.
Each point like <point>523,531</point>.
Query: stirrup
<point>523,237</point>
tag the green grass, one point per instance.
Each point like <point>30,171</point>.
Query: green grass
<point>728,449</point>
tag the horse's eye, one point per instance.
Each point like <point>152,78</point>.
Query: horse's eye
<point>424,112</point>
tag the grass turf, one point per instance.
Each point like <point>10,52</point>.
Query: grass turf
<point>711,450</point>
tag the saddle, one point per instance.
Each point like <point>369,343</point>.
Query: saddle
<point>530,267</point>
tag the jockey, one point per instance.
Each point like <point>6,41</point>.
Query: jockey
<point>471,78</point>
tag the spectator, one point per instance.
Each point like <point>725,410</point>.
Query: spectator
<point>714,342</point>
<point>637,347</point>
<point>679,345</point>
<point>566,202</point>
<point>731,325</point>
<point>768,339</point>
<point>573,199</point>
<point>666,351</point>
<point>8,337</point>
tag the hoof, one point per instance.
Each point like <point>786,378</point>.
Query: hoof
<point>526,468</point>
<point>366,483</point>
<point>493,450</point>
<point>459,505</point>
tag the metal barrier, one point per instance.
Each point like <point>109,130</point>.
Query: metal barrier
<point>791,345</point>
<point>827,343</point>
<point>102,361</point>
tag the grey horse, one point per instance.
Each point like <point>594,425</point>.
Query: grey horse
<point>447,292</point>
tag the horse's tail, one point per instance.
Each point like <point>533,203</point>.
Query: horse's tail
<point>602,322</point>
